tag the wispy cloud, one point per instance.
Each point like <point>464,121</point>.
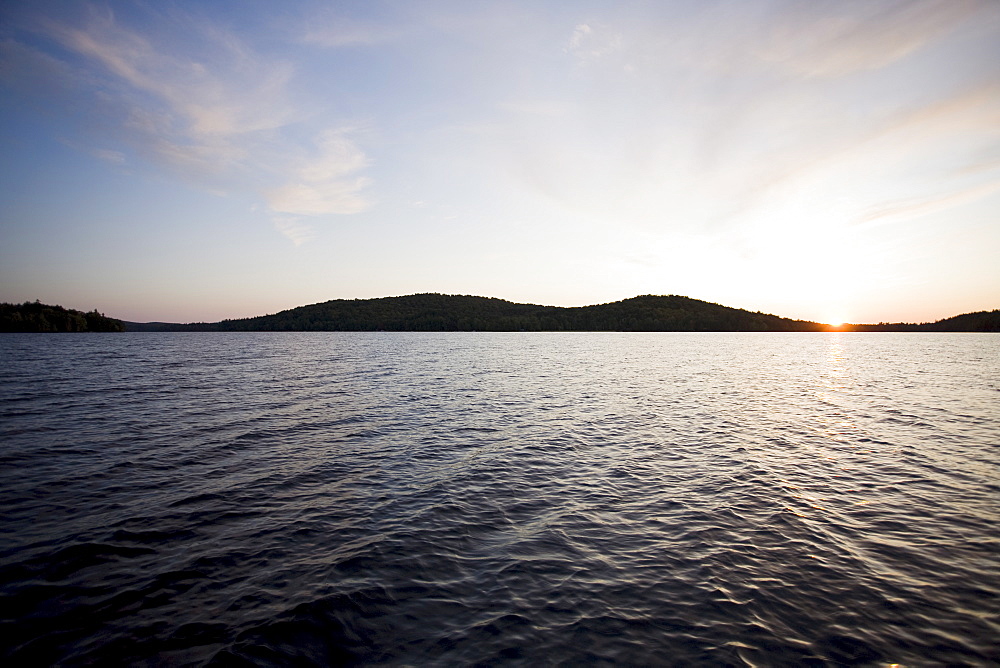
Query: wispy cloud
<point>722,112</point>
<point>931,148</point>
<point>218,114</point>
<point>334,31</point>
<point>912,208</point>
<point>326,183</point>
<point>593,42</point>
<point>310,199</point>
<point>114,157</point>
<point>836,39</point>
<point>294,229</point>
<point>231,94</point>
<point>932,152</point>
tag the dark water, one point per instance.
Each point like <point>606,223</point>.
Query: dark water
<point>462,498</point>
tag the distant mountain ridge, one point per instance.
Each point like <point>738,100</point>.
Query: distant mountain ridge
<point>645,313</point>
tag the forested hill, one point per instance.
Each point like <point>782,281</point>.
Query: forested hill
<point>38,317</point>
<point>437,312</point>
<point>980,321</point>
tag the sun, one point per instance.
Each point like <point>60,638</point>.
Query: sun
<point>835,316</point>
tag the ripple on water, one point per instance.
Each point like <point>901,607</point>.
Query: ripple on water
<point>441,499</point>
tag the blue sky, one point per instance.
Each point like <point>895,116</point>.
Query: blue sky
<point>187,161</point>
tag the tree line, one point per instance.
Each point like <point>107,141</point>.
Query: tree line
<point>980,321</point>
<point>439,312</point>
<point>37,317</point>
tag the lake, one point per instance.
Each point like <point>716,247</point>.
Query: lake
<point>821,499</point>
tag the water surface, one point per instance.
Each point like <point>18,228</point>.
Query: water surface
<point>513,498</point>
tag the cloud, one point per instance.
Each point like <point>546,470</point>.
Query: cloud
<point>338,156</point>
<point>336,32</point>
<point>961,123</point>
<point>538,107</point>
<point>191,97</point>
<point>917,161</point>
<point>580,33</point>
<point>913,208</point>
<point>231,93</point>
<point>339,197</point>
<point>114,157</point>
<point>590,43</point>
<point>324,185</point>
<point>819,39</point>
<point>107,155</point>
<point>295,229</point>
<point>713,133</point>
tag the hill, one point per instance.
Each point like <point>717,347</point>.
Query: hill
<point>437,312</point>
<point>980,321</point>
<point>38,317</point>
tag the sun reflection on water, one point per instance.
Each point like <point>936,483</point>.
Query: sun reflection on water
<point>835,372</point>
<point>834,381</point>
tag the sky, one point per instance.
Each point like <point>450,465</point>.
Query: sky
<point>193,161</point>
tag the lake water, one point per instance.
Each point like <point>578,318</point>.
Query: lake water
<point>500,498</point>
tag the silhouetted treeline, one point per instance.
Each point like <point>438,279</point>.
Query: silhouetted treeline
<point>38,317</point>
<point>437,312</point>
<point>980,321</point>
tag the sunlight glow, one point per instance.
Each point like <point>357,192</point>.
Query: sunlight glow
<point>699,149</point>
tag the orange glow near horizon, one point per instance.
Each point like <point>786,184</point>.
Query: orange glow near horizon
<point>836,320</point>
